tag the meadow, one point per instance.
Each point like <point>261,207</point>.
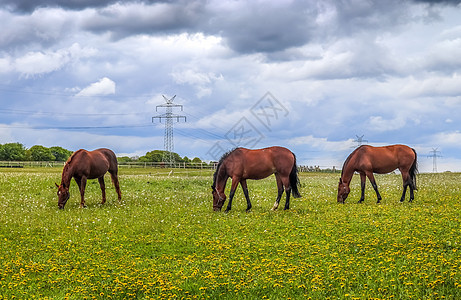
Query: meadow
<point>163,241</point>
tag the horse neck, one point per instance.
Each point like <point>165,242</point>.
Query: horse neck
<point>221,179</point>
<point>347,172</point>
<point>67,174</point>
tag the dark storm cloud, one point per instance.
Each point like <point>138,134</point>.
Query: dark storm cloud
<point>27,6</point>
<point>266,28</point>
<point>270,27</point>
<point>127,19</point>
<point>451,2</point>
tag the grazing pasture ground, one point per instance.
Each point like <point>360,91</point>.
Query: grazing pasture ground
<point>164,241</point>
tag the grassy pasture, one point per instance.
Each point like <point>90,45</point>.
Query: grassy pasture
<point>164,241</point>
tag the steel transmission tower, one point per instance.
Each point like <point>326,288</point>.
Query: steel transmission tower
<point>360,140</point>
<point>168,143</point>
<point>434,154</point>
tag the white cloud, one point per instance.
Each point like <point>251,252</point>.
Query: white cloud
<point>452,138</point>
<point>37,63</point>
<point>104,86</point>
<point>202,82</point>
<point>378,123</point>
<point>322,143</point>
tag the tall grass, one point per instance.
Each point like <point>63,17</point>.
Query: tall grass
<point>164,241</point>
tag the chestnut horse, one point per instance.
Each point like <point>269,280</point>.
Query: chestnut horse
<point>367,160</point>
<point>241,164</point>
<point>83,165</point>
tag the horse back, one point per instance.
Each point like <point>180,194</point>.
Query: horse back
<point>385,159</point>
<point>93,164</point>
<point>104,158</point>
<point>261,163</point>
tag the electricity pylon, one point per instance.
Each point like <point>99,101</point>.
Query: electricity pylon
<point>168,143</point>
<point>360,140</point>
<point>434,154</point>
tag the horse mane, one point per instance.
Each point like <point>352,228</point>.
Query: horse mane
<point>349,158</point>
<point>69,160</point>
<point>221,160</point>
<point>67,165</point>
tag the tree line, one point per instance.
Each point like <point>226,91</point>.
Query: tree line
<point>17,152</point>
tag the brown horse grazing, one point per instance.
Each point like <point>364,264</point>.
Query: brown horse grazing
<point>367,160</point>
<point>241,164</point>
<point>83,165</point>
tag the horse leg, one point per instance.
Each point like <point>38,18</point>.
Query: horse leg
<point>407,182</point>
<point>412,195</point>
<point>103,188</point>
<point>287,186</point>
<point>234,185</point>
<point>363,180</point>
<point>114,178</point>
<point>280,192</point>
<point>243,183</point>
<point>375,186</point>
<point>81,184</point>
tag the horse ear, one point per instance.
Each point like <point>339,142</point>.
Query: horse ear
<point>340,180</point>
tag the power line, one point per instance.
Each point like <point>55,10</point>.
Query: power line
<point>20,90</point>
<point>48,113</point>
<point>73,127</point>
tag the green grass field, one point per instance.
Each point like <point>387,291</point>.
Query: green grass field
<point>164,240</point>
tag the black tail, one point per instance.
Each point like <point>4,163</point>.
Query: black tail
<point>414,171</point>
<point>294,180</point>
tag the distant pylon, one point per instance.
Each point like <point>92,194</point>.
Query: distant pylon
<point>434,154</point>
<point>168,143</point>
<point>360,140</point>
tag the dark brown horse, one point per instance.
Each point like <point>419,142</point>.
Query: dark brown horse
<point>241,164</point>
<point>367,160</point>
<point>83,165</point>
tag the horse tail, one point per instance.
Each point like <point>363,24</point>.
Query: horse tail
<point>294,180</point>
<point>414,171</point>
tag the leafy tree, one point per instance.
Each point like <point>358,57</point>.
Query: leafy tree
<point>157,156</point>
<point>60,153</point>
<point>196,160</point>
<point>41,153</point>
<point>12,152</point>
<point>152,156</point>
<point>124,159</point>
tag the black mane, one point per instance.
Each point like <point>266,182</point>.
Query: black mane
<point>221,160</point>
<point>349,158</point>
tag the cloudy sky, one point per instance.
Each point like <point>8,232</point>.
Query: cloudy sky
<point>311,75</point>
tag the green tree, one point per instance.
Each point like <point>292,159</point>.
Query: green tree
<point>157,156</point>
<point>196,160</point>
<point>124,159</point>
<point>12,152</point>
<point>41,153</point>
<point>60,154</point>
<point>152,156</point>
